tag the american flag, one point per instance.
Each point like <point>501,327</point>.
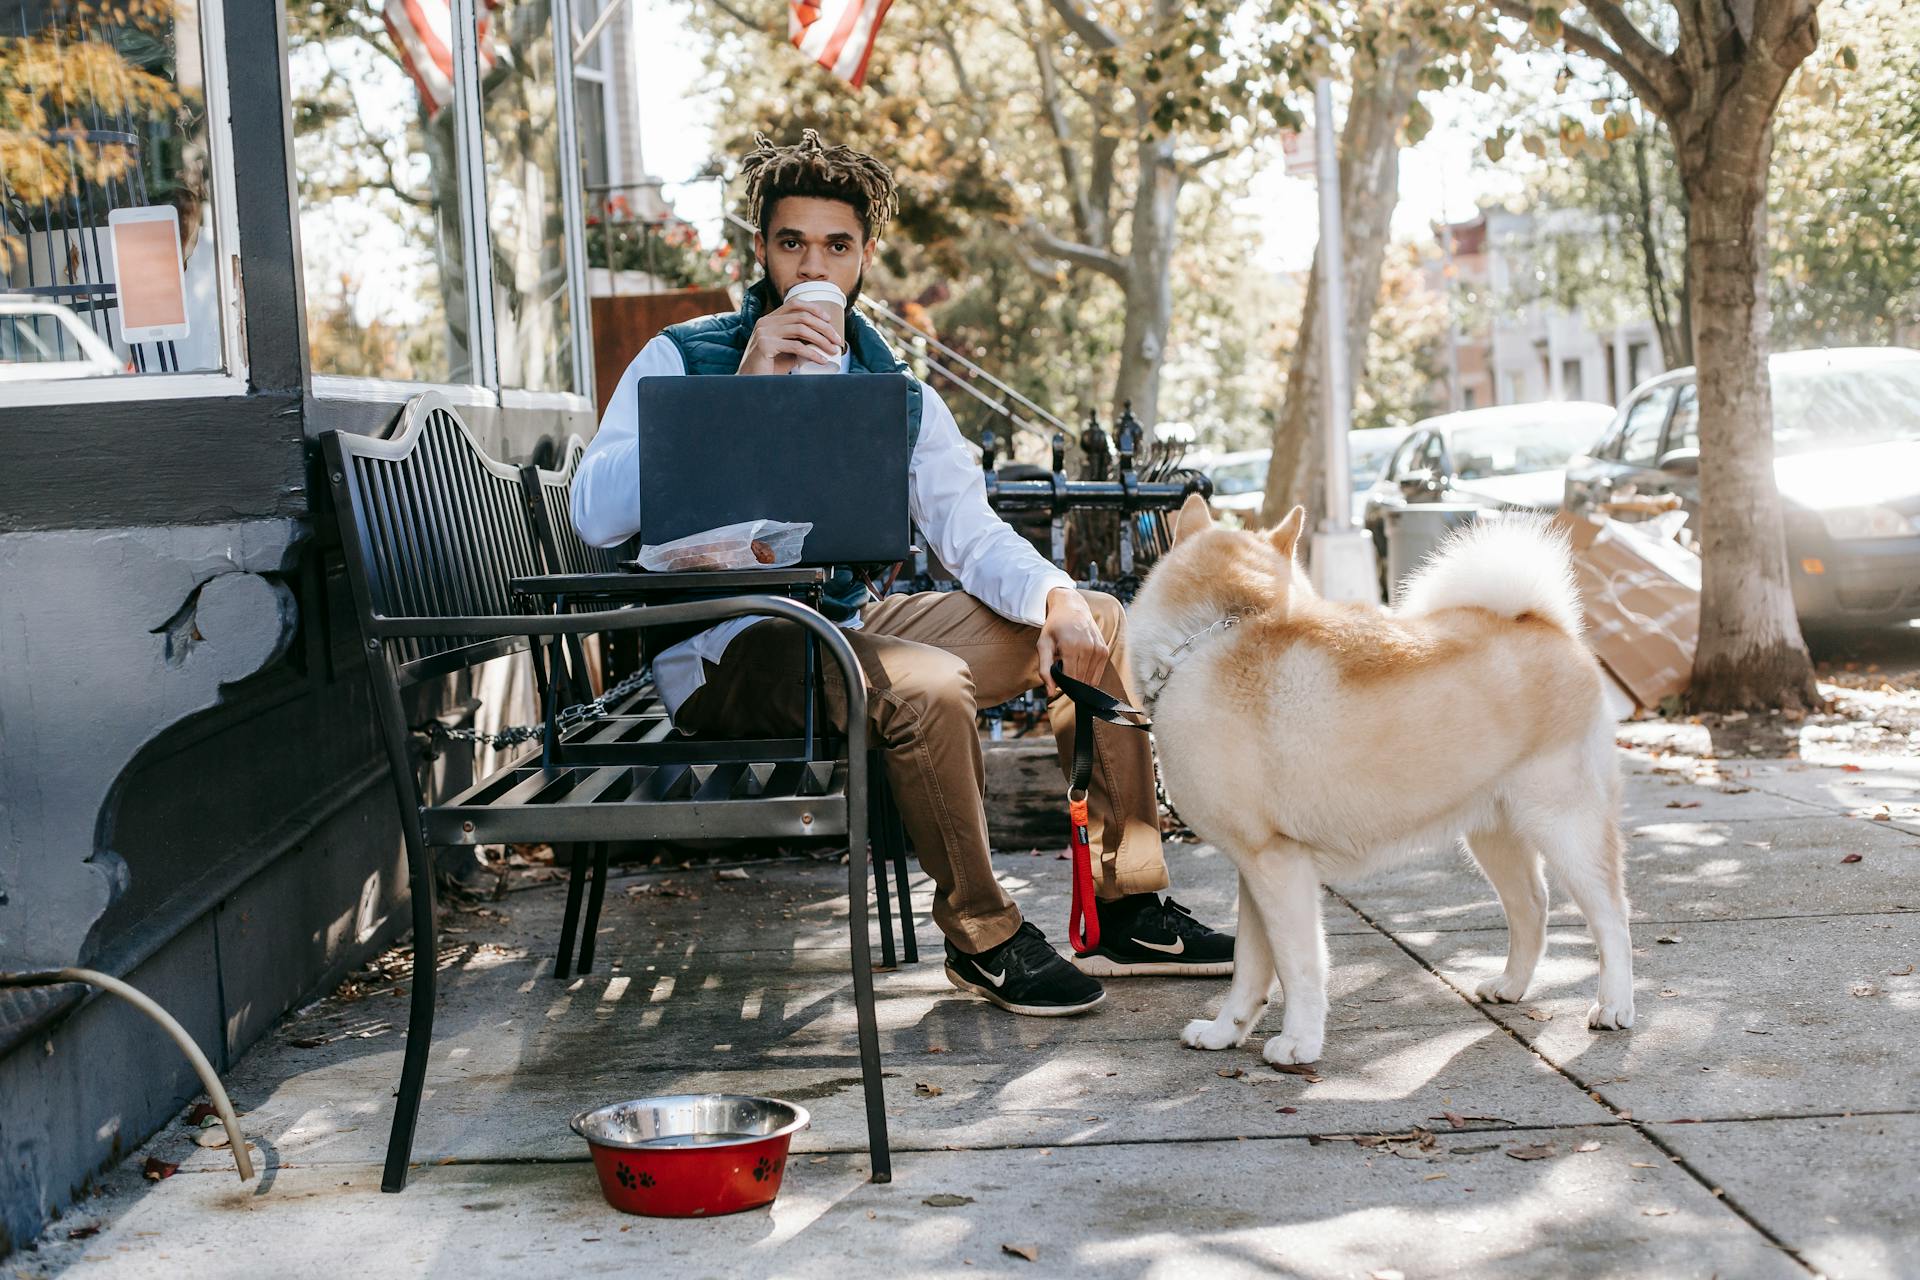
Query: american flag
<point>422,32</point>
<point>837,34</point>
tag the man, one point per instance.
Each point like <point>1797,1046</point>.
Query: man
<point>931,660</point>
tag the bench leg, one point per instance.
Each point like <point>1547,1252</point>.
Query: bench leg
<point>594,898</point>
<point>413,1071</point>
<point>879,1153</point>
<point>570,921</point>
<point>897,839</point>
<point>877,825</point>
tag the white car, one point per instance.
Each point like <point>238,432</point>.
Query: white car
<point>1240,479</point>
<point>45,341</point>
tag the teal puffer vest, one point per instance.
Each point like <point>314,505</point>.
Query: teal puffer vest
<point>714,345</point>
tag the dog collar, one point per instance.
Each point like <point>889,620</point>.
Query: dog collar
<point>1164,669</point>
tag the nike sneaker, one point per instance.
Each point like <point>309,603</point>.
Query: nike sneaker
<point>1147,935</point>
<point>1026,975</point>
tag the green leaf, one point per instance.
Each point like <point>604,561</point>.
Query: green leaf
<point>1546,25</point>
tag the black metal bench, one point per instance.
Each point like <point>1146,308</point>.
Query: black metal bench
<point>434,533</point>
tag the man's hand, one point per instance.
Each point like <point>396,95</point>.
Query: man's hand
<point>787,336</point>
<point>1072,636</point>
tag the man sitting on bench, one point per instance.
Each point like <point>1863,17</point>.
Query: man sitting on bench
<point>933,659</point>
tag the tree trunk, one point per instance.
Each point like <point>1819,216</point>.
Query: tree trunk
<point>1369,190</point>
<point>1751,655</point>
<point>1143,345</point>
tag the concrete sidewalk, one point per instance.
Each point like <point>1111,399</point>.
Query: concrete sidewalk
<point>1762,1119</point>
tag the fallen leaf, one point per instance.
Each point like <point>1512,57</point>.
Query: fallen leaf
<point>818,1159</point>
<point>1655,1213</point>
<point>81,1233</point>
<point>1031,1252</point>
<point>1668,993</point>
<point>1757,1031</point>
<point>1683,804</point>
<point>1644,1164</point>
<point>731,873</point>
<point>1585,1147</point>
<point>1433,1177</point>
<point>1230,1073</point>
<point>1289,1111</point>
<point>1883,814</point>
<point>1850,768</point>
<point>1302,1069</point>
<point>1669,939</point>
<point>1539,1152</point>
<point>1901,972</point>
<point>1866,989</point>
<point>1540,1015</point>
<point>201,1114</point>
<point>1852,857</point>
<point>1474,1150</point>
<point>926,1090</point>
<point>156,1169</point>
<point>946,1200</point>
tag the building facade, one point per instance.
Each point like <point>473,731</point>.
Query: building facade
<point>275,218</point>
<point>1510,345</point>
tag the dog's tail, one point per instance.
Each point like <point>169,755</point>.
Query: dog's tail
<point>1513,565</point>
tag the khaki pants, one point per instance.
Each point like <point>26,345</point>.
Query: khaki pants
<point>931,662</point>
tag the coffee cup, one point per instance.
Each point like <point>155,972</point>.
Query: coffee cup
<point>824,296</point>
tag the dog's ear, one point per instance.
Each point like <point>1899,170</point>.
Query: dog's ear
<point>1285,536</point>
<point>1193,517</point>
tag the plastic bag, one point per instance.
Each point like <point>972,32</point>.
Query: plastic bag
<point>753,544</point>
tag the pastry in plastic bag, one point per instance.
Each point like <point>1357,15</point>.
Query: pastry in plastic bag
<point>752,544</point>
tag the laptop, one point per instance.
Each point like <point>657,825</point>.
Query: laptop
<point>828,448</point>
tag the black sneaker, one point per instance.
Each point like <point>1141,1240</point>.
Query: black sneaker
<point>1026,975</point>
<point>1143,934</point>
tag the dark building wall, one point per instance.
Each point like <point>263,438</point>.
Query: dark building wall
<point>192,793</point>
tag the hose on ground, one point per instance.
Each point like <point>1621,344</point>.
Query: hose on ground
<point>141,1001</point>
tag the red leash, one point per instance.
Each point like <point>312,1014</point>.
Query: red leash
<point>1089,704</point>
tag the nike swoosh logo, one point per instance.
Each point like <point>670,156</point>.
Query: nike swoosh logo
<point>1179,945</point>
<point>997,979</point>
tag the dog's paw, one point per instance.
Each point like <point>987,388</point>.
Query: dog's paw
<point>1285,1049</point>
<point>1610,1017</point>
<point>1211,1033</point>
<point>1500,991</point>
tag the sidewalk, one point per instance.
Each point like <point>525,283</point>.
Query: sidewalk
<point>1762,1119</point>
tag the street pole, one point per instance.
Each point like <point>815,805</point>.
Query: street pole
<point>1343,553</point>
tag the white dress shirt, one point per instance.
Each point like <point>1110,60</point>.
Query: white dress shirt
<point>947,497</point>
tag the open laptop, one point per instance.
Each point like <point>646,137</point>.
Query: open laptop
<point>830,448</point>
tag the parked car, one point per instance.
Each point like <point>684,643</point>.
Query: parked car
<point>1240,479</point>
<point>1508,457</point>
<point>1846,440</point>
<point>41,341</point>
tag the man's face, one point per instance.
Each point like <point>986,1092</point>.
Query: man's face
<point>810,238</point>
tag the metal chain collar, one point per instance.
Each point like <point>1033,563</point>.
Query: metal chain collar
<point>564,722</point>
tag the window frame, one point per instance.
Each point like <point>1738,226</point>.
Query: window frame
<point>207,384</point>
<point>1617,448</point>
<point>485,389</point>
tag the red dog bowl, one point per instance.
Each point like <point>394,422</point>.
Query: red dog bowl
<point>691,1155</point>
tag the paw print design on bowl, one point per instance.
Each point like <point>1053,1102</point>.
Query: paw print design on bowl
<point>765,1169</point>
<point>625,1175</point>
<point>646,1179</point>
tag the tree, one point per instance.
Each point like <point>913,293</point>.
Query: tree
<point>1714,74</point>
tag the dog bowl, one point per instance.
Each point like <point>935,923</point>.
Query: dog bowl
<point>690,1155</point>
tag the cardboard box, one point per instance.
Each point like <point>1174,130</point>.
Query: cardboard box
<point>1641,591</point>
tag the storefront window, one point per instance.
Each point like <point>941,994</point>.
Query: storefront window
<point>376,151</point>
<point>108,257</point>
<point>526,207</point>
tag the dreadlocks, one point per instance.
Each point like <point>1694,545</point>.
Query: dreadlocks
<point>811,168</point>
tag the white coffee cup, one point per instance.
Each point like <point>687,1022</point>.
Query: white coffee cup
<point>827,297</point>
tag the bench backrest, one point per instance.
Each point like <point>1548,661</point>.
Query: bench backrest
<point>550,503</point>
<point>433,528</point>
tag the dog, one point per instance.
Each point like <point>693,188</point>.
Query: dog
<point>1312,741</point>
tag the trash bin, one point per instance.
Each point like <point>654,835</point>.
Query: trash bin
<point>1415,531</point>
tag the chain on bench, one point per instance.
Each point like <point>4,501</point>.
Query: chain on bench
<point>565,721</point>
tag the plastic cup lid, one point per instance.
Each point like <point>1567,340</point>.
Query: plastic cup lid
<point>817,291</point>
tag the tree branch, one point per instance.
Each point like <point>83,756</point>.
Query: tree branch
<point>1582,41</point>
<point>1085,25</point>
<point>1062,135</point>
<point>1651,61</point>
<point>739,17</point>
<point>1084,256</point>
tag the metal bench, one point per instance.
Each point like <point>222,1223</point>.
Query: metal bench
<point>637,729</point>
<point>434,533</point>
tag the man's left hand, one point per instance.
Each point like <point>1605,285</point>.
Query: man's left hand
<point>1073,637</point>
